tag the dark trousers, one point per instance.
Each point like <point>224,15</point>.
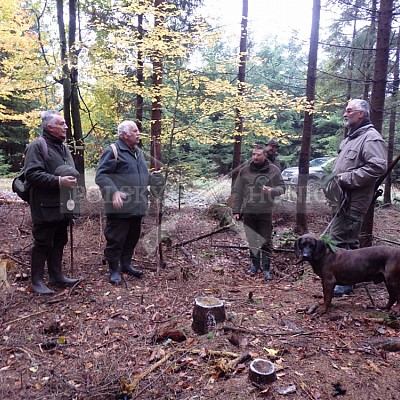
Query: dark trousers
<point>345,228</point>
<point>258,228</point>
<point>50,235</point>
<point>122,235</point>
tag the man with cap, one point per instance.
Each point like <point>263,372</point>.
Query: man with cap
<point>254,191</point>
<point>51,174</point>
<point>272,153</point>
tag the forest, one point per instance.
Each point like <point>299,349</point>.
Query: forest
<point>201,100</point>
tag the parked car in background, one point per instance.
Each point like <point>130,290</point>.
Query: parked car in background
<point>318,168</point>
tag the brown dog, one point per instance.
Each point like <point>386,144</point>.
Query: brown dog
<point>346,267</point>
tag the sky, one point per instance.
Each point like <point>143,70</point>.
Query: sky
<point>266,17</point>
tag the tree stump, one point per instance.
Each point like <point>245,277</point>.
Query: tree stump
<point>207,313</point>
<point>262,371</point>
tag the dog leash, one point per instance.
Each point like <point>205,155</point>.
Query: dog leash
<point>342,203</point>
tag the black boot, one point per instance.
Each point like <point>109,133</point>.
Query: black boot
<point>266,265</point>
<point>115,276</point>
<point>54,265</point>
<point>255,263</point>
<point>38,260</point>
<point>126,266</point>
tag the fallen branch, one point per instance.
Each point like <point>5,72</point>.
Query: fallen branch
<point>386,240</point>
<point>26,316</point>
<point>129,388</point>
<point>203,236</point>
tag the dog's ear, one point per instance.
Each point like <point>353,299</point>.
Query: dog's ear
<point>297,245</point>
<point>320,249</point>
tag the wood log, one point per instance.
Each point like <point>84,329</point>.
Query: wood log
<point>262,371</point>
<point>207,313</point>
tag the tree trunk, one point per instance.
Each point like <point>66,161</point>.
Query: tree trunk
<point>370,53</point>
<point>237,147</point>
<point>304,159</point>
<point>156,109</point>
<point>387,197</point>
<point>139,76</point>
<point>378,95</point>
<point>76,129</point>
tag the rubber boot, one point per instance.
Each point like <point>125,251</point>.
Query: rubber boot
<point>340,290</point>
<point>38,260</point>
<point>255,263</point>
<point>126,267</point>
<point>266,265</point>
<point>54,265</point>
<point>115,276</point>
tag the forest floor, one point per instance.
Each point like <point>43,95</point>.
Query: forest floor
<point>135,340</point>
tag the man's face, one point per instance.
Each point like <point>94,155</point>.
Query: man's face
<point>353,116</point>
<point>258,156</point>
<point>132,136</point>
<point>58,127</point>
<point>272,149</point>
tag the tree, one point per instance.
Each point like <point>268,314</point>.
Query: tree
<point>237,146</point>
<point>378,95</point>
<point>304,159</point>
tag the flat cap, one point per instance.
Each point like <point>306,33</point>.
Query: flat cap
<point>273,142</point>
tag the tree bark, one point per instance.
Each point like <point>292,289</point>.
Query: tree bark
<point>304,159</point>
<point>378,95</point>
<point>387,197</point>
<point>237,147</point>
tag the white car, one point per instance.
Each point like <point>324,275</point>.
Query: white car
<point>316,172</point>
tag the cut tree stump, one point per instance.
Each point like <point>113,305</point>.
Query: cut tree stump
<point>207,313</point>
<point>262,371</point>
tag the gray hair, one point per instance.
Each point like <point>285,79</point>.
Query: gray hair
<point>124,126</point>
<point>48,117</point>
<point>361,105</point>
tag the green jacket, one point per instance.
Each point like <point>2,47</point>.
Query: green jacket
<point>48,201</point>
<point>248,196</point>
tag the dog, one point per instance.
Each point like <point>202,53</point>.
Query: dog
<point>346,267</point>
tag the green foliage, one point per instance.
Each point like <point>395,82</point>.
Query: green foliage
<point>329,243</point>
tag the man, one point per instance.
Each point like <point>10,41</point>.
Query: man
<point>123,178</point>
<point>361,161</point>
<point>50,172</point>
<point>272,153</point>
<point>255,189</point>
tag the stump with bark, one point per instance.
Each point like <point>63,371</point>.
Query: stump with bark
<point>262,371</point>
<point>207,313</point>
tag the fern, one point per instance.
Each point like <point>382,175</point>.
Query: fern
<point>329,243</point>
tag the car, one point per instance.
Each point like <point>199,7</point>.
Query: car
<point>318,168</point>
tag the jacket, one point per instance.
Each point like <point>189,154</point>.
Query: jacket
<point>248,196</point>
<point>48,202</point>
<point>361,161</point>
<point>129,174</point>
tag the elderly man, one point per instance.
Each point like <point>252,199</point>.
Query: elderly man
<point>49,169</point>
<point>255,189</point>
<point>360,162</point>
<point>123,177</point>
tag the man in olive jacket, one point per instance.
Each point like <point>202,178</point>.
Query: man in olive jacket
<point>123,177</point>
<point>362,159</point>
<point>50,172</point>
<point>255,189</point>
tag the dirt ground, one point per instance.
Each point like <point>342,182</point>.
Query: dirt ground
<point>135,340</point>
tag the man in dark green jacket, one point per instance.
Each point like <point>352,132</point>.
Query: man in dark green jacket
<point>255,189</point>
<point>123,177</point>
<point>51,174</point>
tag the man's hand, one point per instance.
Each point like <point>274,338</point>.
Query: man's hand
<point>266,189</point>
<point>236,217</point>
<point>68,181</point>
<point>118,200</point>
